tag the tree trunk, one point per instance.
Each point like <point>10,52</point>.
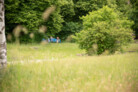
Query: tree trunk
<point>3,51</point>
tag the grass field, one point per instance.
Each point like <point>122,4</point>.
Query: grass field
<point>63,68</point>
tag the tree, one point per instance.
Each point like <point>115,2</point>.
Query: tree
<point>69,28</point>
<point>134,16</point>
<point>104,30</point>
<point>28,13</point>
<point>3,55</point>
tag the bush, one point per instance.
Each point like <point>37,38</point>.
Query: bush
<point>69,28</point>
<point>105,29</point>
<point>28,13</point>
<point>70,38</point>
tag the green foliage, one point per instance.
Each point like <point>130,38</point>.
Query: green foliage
<point>69,28</point>
<point>29,14</point>
<point>67,9</point>
<point>67,14</point>
<point>105,29</point>
<point>90,4</point>
<point>82,7</point>
<point>70,38</point>
<point>134,16</point>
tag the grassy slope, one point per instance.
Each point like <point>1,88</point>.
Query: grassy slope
<point>63,71</point>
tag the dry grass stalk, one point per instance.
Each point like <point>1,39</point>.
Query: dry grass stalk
<point>42,29</point>
<point>9,37</point>
<point>47,12</point>
<point>17,30</point>
<point>32,35</point>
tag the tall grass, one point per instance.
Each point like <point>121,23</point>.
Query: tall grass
<point>61,70</point>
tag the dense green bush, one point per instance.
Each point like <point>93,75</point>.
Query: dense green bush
<point>64,21</point>
<point>104,30</point>
<point>69,28</point>
<point>29,14</point>
<point>70,38</point>
<point>134,16</point>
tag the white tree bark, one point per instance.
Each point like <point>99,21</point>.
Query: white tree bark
<point>3,51</point>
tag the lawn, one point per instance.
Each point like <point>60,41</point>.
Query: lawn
<point>65,68</point>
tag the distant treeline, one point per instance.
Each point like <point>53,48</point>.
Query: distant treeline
<point>64,21</point>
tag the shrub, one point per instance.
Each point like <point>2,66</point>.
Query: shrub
<point>29,14</point>
<point>105,29</point>
<point>70,38</point>
<point>69,28</point>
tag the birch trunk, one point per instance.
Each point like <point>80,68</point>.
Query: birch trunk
<point>3,51</point>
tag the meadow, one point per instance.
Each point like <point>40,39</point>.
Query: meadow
<point>66,68</point>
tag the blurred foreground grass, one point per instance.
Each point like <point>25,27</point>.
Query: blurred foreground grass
<point>62,68</point>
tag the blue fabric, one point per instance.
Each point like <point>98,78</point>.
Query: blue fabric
<point>43,39</point>
<point>53,40</point>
